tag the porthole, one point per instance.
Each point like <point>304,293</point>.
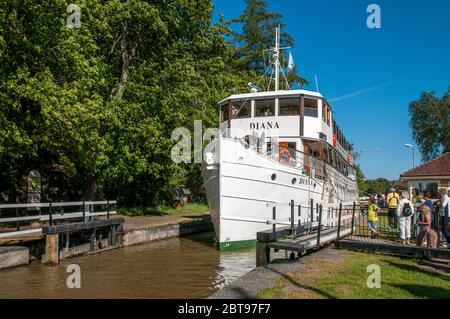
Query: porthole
<point>294,181</point>
<point>274,177</point>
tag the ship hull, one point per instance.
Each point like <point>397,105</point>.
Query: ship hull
<point>242,187</point>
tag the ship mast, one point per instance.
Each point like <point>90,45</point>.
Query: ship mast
<point>276,51</point>
<point>276,56</point>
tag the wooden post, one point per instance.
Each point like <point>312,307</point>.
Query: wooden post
<point>51,253</point>
<point>312,213</point>
<point>320,226</point>
<point>107,209</point>
<point>274,216</point>
<point>299,214</point>
<point>353,217</point>
<point>84,211</point>
<point>292,218</point>
<point>339,225</point>
<point>262,254</point>
<point>92,241</point>
<point>50,214</point>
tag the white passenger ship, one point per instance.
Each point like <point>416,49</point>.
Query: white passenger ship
<point>276,146</point>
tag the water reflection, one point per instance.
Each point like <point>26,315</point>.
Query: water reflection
<point>176,268</point>
<point>234,265</point>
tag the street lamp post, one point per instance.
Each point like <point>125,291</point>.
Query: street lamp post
<point>413,155</point>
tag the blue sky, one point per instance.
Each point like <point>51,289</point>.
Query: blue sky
<point>370,75</point>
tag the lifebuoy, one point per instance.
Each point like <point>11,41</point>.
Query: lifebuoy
<point>285,156</point>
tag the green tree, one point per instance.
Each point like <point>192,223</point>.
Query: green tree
<point>430,123</point>
<point>380,185</point>
<point>258,34</point>
<point>360,179</point>
<point>93,108</point>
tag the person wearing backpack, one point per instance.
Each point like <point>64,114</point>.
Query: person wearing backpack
<point>405,210</point>
<point>392,200</point>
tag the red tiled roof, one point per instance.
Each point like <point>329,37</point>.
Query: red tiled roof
<point>440,166</point>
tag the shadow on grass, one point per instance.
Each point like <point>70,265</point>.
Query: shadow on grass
<point>302,286</point>
<point>416,269</point>
<point>424,291</point>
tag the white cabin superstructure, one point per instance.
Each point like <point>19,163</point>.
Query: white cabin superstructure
<point>275,147</point>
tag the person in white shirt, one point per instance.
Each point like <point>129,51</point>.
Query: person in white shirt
<point>405,211</point>
<point>444,213</point>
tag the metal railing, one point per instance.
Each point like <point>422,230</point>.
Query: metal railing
<point>312,166</point>
<point>17,216</point>
<point>314,217</point>
<point>322,226</point>
<point>388,227</point>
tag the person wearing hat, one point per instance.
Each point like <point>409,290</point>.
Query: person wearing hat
<point>392,200</point>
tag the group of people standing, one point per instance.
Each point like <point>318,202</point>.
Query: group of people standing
<point>430,218</point>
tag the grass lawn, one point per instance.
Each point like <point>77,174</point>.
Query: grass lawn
<point>188,208</point>
<point>164,210</point>
<point>347,277</point>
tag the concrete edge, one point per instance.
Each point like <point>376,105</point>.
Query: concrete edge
<point>14,256</point>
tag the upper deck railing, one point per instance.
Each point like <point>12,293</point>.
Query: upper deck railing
<point>310,165</point>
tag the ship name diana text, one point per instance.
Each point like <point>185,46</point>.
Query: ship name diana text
<point>264,125</point>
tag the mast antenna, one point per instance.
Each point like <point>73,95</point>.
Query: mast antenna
<point>276,56</point>
<point>277,68</point>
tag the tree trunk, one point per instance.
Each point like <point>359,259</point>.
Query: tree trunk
<point>90,190</point>
<point>127,55</point>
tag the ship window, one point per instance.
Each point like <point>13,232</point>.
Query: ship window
<point>311,109</point>
<point>289,107</point>
<point>264,108</point>
<point>243,107</point>
<point>328,116</point>
<point>326,113</point>
<point>224,112</point>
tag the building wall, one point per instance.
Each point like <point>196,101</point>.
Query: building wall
<point>437,182</point>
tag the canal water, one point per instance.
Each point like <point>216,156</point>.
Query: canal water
<point>188,267</point>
